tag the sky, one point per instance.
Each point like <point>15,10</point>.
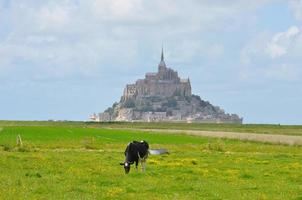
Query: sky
<point>66,59</point>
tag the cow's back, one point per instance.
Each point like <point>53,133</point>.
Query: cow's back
<point>136,149</point>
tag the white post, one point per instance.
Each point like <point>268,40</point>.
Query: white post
<point>19,141</point>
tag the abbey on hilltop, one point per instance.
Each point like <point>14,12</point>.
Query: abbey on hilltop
<point>164,83</point>
<point>163,96</point>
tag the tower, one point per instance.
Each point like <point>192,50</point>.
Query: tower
<point>162,64</point>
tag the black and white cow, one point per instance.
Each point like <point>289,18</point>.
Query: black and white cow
<point>136,152</point>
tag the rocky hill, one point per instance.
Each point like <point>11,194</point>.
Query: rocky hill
<point>164,96</point>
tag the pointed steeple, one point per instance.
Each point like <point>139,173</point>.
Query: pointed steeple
<point>162,53</point>
<point>162,63</point>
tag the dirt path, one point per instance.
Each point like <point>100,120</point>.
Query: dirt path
<point>269,138</point>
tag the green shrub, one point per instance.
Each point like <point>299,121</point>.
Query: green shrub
<point>24,149</point>
<point>7,147</point>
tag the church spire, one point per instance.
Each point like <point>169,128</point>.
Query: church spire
<point>162,63</point>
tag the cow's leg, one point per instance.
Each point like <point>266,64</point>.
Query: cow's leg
<point>143,165</point>
<point>136,164</point>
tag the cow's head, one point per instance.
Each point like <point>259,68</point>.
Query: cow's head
<point>127,166</point>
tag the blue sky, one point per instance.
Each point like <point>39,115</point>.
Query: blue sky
<point>65,59</point>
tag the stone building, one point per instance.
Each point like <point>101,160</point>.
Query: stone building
<point>164,83</point>
<point>164,96</point>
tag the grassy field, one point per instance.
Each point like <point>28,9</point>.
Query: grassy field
<point>242,128</point>
<point>74,161</point>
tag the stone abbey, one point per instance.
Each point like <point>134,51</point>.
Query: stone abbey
<point>163,96</point>
<point>164,83</point>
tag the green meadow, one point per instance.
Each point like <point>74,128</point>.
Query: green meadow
<point>242,128</point>
<point>81,161</point>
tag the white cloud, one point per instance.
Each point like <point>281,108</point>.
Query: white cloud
<point>275,50</point>
<point>55,16</point>
<point>296,6</point>
<point>86,36</point>
<point>281,42</point>
<point>277,45</point>
<point>118,9</point>
<point>279,58</point>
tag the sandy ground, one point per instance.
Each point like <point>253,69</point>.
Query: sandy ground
<point>266,138</point>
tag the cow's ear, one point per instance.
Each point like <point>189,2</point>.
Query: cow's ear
<point>122,163</point>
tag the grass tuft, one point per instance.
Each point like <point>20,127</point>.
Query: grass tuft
<point>217,146</point>
<point>246,176</point>
<point>194,162</point>
<point>7,147</point>
<point>89,143</point>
